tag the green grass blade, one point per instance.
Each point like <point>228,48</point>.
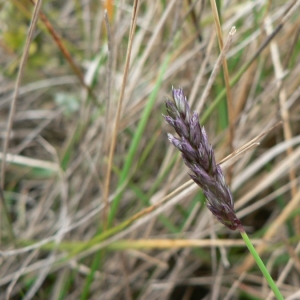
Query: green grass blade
<point>136,139</point>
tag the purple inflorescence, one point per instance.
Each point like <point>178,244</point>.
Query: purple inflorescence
<point>199,157</point>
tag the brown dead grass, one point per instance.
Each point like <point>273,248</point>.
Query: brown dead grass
<point>66,140</point>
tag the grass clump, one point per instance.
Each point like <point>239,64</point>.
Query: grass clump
<point>95,204</point>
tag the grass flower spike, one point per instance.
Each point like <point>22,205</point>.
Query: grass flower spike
<point>199,157</point>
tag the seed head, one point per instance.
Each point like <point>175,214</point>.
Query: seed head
<point>199,157</point>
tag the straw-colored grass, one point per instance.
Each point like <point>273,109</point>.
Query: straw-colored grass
<point>95,202</point>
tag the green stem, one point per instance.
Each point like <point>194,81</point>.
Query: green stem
<point>261,265</point>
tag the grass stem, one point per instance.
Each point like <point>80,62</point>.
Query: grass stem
<point>261,265</point>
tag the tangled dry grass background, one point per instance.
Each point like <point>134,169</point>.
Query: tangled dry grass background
<point>88,185</point>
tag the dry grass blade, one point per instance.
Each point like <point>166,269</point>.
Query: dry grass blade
<point>119,107</point>
<point>230,108</point>
<point>279,72</point>
<point>58,40</point>
<point>37,8</point>
<point>30,162</point>
<point>164,244</point>
<point>13,109</point>
<point>216,68</point>
<point>249,145</point>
